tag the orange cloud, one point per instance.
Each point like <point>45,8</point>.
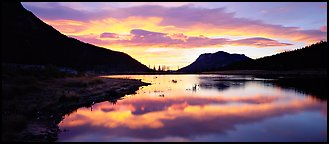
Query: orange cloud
<point>124,115</point>
<point>143,38</point>
<point>177,27</point>
<point>68,26</point>
<point>192,21</point>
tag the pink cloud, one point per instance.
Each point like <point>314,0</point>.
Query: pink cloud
<point>109,35</point>
<point>219,18</point>
<point>143,38</point>
<point>259,42</point>
<point>185,17</point>
<point>140,32</point>
<point>157,39</point>
<point>323,29</point>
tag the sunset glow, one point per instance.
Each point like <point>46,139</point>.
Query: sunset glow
<point>175,34</point>
<point>188,115</point>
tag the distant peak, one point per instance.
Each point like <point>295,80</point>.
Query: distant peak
<point>205,54</point>
<point>214,61</point>
<point>221,52</point>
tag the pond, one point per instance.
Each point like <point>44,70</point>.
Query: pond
<point>201,108</point>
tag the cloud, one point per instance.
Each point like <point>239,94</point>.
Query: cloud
<point>323,29</point>
<point>140,32</point>
<point>153,119</point>
<point>109,35</point>
<point>144,38</point>
<point>187,19</point>
<point>68,26</point>
<point>259,42</point>
<point>221,21</point>
<point>55,11</point>
<point>156,39</point>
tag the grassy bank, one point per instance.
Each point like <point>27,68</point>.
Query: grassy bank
<point>34,100</point>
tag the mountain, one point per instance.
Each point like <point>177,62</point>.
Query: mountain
<point>28,40</point>
<point>312,57</point>
<point>212,61</point>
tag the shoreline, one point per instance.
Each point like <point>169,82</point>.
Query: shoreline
<point>43,124</point>
<point>299,74</point>
<point>47,100</point>
<point>233,72</point>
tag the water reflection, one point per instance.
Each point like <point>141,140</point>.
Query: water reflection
<point>194,108</point>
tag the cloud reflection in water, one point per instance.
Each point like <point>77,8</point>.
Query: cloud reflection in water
<point>183,115</point>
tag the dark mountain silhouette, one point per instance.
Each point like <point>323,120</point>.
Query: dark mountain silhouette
<point>212,61</point>
<point>313,57</point>
<point>28,40</point>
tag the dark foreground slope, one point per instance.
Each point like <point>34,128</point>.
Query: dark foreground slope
<point>36,99</point>
<point>28,40</point>
<point>212,61</point>
<point>313,57</point>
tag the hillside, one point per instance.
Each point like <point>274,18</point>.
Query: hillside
<point>28,40</point>
<point>312,57</point>
<point>212,61</point>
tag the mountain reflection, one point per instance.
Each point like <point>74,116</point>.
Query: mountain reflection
<point>184,115</point>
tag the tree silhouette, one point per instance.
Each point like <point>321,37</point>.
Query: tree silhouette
<point>310,57</point>
<point>163,68</point>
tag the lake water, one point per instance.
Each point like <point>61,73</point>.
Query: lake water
<point>201,108</point>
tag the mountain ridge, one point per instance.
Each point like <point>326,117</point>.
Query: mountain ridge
<point>211,61</point>
<point>311,57</point>
<point>28,40</point>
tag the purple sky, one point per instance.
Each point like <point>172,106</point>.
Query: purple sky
<point>176,33</point>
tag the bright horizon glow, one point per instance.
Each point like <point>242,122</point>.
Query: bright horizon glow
<point>176,33</point>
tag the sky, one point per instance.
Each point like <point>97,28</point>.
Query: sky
<point>174,34</point>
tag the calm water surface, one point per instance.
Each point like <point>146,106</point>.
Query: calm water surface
<point>201,108</point>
